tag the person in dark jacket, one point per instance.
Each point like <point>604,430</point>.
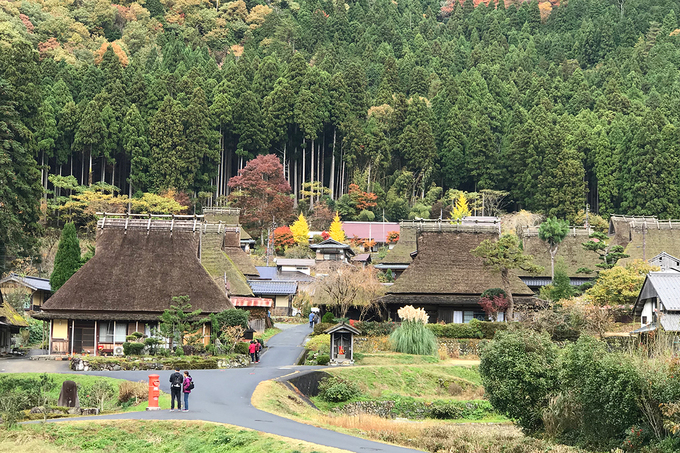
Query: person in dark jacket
<point>176,381</point>
<point>187,386</point>
<point>258,348</point>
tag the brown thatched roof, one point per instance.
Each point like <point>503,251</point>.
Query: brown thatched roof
<point>570,250</point>
<point>242,261</point>
<point>140,272</point>
<point>401,253</point>
<point>654,242</point>
<point>445,267</point>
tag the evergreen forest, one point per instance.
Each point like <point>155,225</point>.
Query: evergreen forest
<point>558,106</point>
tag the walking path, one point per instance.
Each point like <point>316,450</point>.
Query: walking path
<point>223,396</point>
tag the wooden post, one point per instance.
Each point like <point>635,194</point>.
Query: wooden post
<point>49,340</point>
<point>73,333</point>
<point>114,337</point>
<point>96,343</point>
<point>351,348</point>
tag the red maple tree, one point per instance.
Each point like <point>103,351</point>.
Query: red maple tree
<point>262,193</point>
<point>492,305</point>
<point>283,238</point>
<point>362,200</point>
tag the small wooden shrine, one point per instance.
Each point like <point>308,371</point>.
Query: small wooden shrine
<point>342,343</point>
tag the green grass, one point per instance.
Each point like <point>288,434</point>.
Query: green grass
<point>87,380</point>
<point>418,381</point>
<point>145,436</point>
<point>268,333</point>
<point>394,358</point>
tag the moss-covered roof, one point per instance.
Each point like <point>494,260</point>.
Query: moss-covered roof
<point>401,253</point>
<point>10,316</point>
<point>654,242</point>
<point>570,250</point>
<point>218,264</point>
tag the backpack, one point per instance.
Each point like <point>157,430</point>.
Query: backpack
<point>191,383</point>
<point>177,380</point>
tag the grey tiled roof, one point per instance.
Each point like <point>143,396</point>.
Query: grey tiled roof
<point>32,282</point>
<point>670,321</point>
<point>272,287</point>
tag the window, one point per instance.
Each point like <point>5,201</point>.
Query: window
<point>107,334</point>
<point>644,320</point>
<point>458,317</point>
<point>468,316</point>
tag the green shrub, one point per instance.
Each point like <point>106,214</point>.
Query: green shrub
<point>321,327</point>
<point>519,373</point>
<point>469,330</point>
<point>413,337</point>
<point>327,317</point>
<point>336,390</point>
<point>489,329</point>
<point>179,351</point>
<point>320,343</point>
<point>607,387</point>
<point>376,329</point>
<point>241,347</point>
<point>133,348</point>
<point>451,410</point>
<point>35,329</point>
<point>323,359</point>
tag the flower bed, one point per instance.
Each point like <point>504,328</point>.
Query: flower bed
<point>157,363</point>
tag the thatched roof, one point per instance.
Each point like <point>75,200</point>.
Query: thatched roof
<point>9,316</point>
<point>401,253</point>
<point>445,270</point>
<point>217,260</point>
<point>570,250</point>
<point>140,272</point>
<point>655,241</point>
<point>229,216</point>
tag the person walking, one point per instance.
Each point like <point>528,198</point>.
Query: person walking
<point>176,380</point>
<point>251,349</point>
<point>311,319</point>
<point>188,386</point>
<point>258,348</point>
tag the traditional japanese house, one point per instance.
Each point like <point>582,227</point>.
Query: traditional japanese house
<point>398,259</point>
<point>446,279</point>
<point>140,264</point>
<point>259,308</point>
<point>658,304</point>
<point>34,291</point>
<point>332,250</point>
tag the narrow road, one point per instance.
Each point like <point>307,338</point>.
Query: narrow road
<point>223,396</point>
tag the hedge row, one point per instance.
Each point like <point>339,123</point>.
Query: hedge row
<point>473,329</point>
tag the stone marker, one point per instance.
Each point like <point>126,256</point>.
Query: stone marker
<point>68,397</point>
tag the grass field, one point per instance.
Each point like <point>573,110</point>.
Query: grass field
<point>428,435</point>
<point>87,380</point>
<point>148,436</point>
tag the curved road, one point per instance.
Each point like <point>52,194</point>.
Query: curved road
<point>223,396</point>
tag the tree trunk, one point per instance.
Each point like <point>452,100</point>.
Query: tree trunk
<point>225,178</point>
<point>89,177</point>
<point>510,313</point>
<point>331,184</point>
<point>287,178</point>
<point>103,172</point>
<point>304,164</point>
<point>553,252</point>
<point>311,179</point>
<point>295,183</point>
<point>218,182</point>
<point>322,162</point>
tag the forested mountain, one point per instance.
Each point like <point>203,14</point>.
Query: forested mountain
<point>561,105</point>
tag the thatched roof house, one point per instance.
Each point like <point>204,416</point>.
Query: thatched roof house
<point>399,258</point>
<point>136,271</point>
<point>446,279</point>
<point>10,323</point>
<point>645,237</point>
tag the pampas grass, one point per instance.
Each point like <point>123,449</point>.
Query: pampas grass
<point>412,337</point>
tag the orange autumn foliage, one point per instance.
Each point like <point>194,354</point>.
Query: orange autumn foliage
<point>120,53</point>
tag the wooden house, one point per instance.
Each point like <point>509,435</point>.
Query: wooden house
<point>140,264</point>
<point>332,250</point>
<point>34,291</point>
<point>658,304</point>
<point>10,324</point>
<point>445,278</point>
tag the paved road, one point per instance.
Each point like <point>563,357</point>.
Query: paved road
<point>223,396</point>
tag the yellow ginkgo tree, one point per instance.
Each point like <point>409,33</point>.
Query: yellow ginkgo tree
<point>461,209</point>
<point>300,230</point>
<point>335,231</point>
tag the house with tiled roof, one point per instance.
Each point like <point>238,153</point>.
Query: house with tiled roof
<point>658,304</point>
<point>33,290</point>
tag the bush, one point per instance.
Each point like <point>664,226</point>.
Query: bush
<point>376,329</point>
<point>133,348</point>
<point>96,395</point>
<point>451,410</point>
<point>128,390</point>
<point>469,330</point>
<point>607,387</point>
<point>327,317</point>
<point>179,351</point>
<point>241,347</point>
<point>230,318</point>
<point>320,343</point>
<point>336,390</point>
<point>320,328</point>
<point>413,337</point>
<point>489,329</point>
<point>519,373</point>
<point>323,359</point>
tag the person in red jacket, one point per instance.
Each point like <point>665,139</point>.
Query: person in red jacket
<point>252,349</point>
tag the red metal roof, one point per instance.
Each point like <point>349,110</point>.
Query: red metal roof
<point>370,230</point>
<point>251,302</point>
